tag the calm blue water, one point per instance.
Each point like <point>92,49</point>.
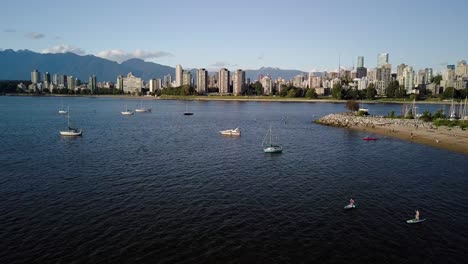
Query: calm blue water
<point>167,188</point>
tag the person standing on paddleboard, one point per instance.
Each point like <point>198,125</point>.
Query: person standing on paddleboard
<point>351,202</point>
<point>416,216</point>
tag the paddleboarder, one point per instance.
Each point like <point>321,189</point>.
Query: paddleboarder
<point>351,202</point>
<point>416,216</point>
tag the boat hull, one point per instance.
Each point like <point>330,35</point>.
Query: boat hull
<point>68,133</point>
<point>273,150</point>
<point>62,112</point>
<point>142,110</point>
<point>126,113</point>
<point>231,132</point>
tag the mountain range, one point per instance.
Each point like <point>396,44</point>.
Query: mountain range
<point>17,65</point>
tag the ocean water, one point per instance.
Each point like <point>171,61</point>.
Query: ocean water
<point>162,187</point>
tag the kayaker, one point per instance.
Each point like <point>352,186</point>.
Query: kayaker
<point>416,216</point>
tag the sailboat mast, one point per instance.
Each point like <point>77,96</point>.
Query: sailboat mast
<point>270,136</point>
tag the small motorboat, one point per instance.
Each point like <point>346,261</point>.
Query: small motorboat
<point>369,138</point>
<point>231,132</point>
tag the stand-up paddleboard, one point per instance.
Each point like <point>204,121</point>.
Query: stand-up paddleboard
<point>349,206</point>
<point>414,221</point>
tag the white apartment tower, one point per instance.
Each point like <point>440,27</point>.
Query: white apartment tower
<point>408,77</point>
<point>238,82</point>
<point>178,75</point>
<point>223,81</point>
<point>202,81</point>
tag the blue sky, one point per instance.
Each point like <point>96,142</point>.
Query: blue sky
<point>293,34</point>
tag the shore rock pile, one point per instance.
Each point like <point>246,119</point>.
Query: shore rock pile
<point>351,120</point>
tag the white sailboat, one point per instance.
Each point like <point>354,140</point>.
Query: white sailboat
<point>464,110</point>
<point>453,114</point>
<point>126,111</point>
<point>271,148</point>
<point>142,109</point>
<point>62,111</point>
<point>70,132</point>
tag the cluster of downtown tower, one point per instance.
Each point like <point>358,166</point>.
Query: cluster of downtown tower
<point>225,82</point>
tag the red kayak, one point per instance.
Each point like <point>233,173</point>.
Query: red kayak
<point>369,138</point>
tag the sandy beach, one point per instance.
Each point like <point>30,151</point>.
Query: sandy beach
<point>450,138</point>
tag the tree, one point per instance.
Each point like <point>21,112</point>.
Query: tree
<point>258,88</point>
<point>400,92</point>
<point>291,93</point>
<point>336,91</point>
<point>392,114</point>
<point>371,92</point>
<point>393,90</point>
<point>450,93</point>
<point>351,94</point>
<point>311,93</point>
<point>284,92</point>
<point>352,105</point>
<point>436,79</point>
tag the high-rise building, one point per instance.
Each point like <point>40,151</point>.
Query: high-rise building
<point>213,81</point>
<point>382,59</point>
<point>400,69</point>
<point>132,84</point>
<point>186,78</point>
<point>62,81</point>
<point>167,81</point>
<point>119,83</point>
<point>449,74</point>
<point>421,78</point>
<point>238,82</point>
<point>408,77</point>
<point>55,79</point>
<point>202,81</point>
<point>361,72</point>
<point>70,82</point>
<point>267,85</point>
<point>429,75</point>
<point>461,69</point>
<point>92,83</point>
<point>223,81</point>
<point>178,75</point>
<point>35,77</point>
<point>46,77</point>
<point>451,67</point>
<point>360,61</point>
<point>154,85</point>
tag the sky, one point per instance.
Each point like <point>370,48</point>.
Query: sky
<point>306,35</point>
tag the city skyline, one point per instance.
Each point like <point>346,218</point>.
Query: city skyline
<point>300,35</point>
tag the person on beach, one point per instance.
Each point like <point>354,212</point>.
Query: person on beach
<point>416,216</point>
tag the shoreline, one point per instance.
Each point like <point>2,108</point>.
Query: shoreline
<point>235,99</point>
<point>450,138</point>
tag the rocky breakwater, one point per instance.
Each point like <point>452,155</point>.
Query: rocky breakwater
<point>350,120</point>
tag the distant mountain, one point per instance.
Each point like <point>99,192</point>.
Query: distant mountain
<point>272,72</point>
<point>17,65</point>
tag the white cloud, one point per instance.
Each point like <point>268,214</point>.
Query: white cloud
<point>119,55</point>
<point>63,49</point>
<point>222,64</point>
<point>34,35</point>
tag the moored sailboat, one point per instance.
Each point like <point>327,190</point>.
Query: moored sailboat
<point>71,132</point>
<point>271,148</point>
